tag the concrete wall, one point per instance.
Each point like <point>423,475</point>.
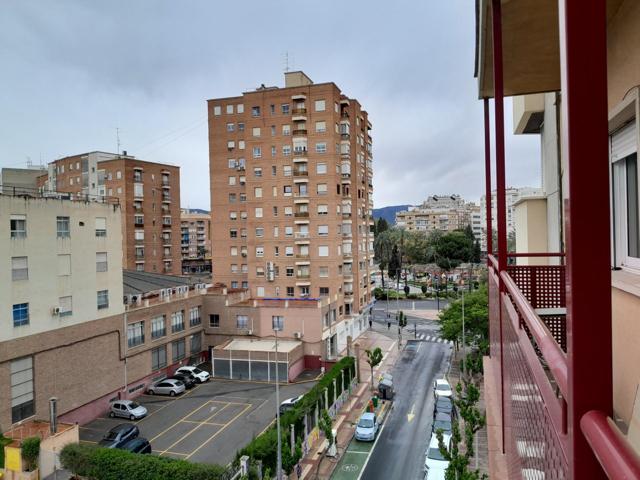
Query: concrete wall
<point>623,61</point>
<point>531,229</point>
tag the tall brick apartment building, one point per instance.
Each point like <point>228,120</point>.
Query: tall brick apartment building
<point>149,195</point>
<point>291,198</point>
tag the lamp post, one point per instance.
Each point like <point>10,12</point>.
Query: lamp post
<point>278,324</point>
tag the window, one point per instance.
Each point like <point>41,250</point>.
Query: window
<point>234,268</point>
<point>233,233</point>
<point>289,271</point>
<point>102,299</point>
<point>232,180</point>
<point>194,316</point>
<point>138,219</point>
<point>322,189</point>
<point>62,225</point>
<point>232,163</point>
<point>321,168</point>
<point>158,327</point>
<point>288,231</point>
<point>217,110</point>
<point>259,232</point>
<point>323,272</point>
<point>286,129</point>
<point>258,212</point>
<point>319,105</point>
<point>240,108</point>
<point>321,147</point>
<point>259,291</point>
<point>323,230</point>
<point>18,226</point>
<point>229,109</point>
<point>159,357</point>
<point>259,271</point>
<point>64,265</point>
<point>234,284</point>
<point>272,109</point>
<point>138,190</point>
<point>101,262</point>
<point>274,170</point>
<point>274,191</point>
<point>323,251</point>
<point>255,111</point>
<point>259,251</point>
<point>324,291</point>
<point>232,198</point>
<point>285,109</point>
<point>255,131</point>
<point>288,211</point>
<point>19,268</point>
<point>276,231</point>
<point>257,191</point>
<point>288,251</point>
<point>233,215</point>
<point>287,170</point>
<point>20,314</point>
<point>234,251</point>
<point>214,320</point>
<point>101,227</point>
<point>230,127</point>
<point>22,398</point>
<point>257,171</point>
<point>287,190</point>
<point>257,152</point>
<point>286,150</point>
<point>135,334</point>
<point>177,322</point>
<point>196,343</point>
<point>274,151</point>
<point>240,127</point>
<point>290,292</point>
<point>242,321</point>
<point>275,211</point>
<point>323,209</point>
<point>139,235</point>
<point>321,127</point>
<point>178,350</point>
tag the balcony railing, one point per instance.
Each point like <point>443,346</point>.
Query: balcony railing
<point>301,235</point>
<point>298,111</point>
<point>299,131</point>
<point>301,214</point>
<point>300,173</point>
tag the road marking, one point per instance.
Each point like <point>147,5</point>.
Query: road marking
<point>371,451</point>
<point>170,402</point>
<point>215,434</point>
<point>411,415</point>
<point>202,423</point>
<point>181,419</point>
<point>267,427</point>
<point>193,430</point>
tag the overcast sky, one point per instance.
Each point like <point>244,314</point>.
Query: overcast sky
<point>74,71</point>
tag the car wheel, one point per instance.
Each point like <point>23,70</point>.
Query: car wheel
<point>172,393</point>
<point>111,414</point>
<point>150,392</point>
<point>132,418</point>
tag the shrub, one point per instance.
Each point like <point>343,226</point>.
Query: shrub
<point>413,296</point>
<point>31,452</point>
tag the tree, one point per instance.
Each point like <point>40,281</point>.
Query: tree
<point>424,289</point>
<point>476,320</point>
<point>381,226</point>
<point>453,249</point>
<point>31,452</point>
<point>383,248</point>
<point>394,262</point>
<point>416,247</point>
<point>476,254</point>
<point>374,357</point>
<point>326,426</point>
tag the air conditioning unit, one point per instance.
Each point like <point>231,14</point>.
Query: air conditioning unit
<point>55,311</point>
<point>137,299</point>
<point>297,335</point>
<point>125,299</point>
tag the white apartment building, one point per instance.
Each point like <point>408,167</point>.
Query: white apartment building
<point>62,263</point>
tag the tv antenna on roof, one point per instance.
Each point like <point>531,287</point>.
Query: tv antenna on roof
<point>288,65</point>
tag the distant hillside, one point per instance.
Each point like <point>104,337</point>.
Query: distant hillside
<point>197,210</point>
<point>389,213</point>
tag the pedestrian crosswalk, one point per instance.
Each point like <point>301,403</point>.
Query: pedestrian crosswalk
<point>433,338</point>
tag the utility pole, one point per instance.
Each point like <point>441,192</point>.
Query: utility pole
<point>277,326</point>
<point>464,343</point>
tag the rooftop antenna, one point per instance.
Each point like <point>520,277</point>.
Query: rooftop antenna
<point>286,61</point>
<point>117,140</point>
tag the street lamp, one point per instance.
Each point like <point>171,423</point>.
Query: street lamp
<point>277,325</point>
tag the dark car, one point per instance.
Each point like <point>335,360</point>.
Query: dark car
<point>444,405</point>
<point>119,435</point>
<point>137,445</point>
<point>442,422</point>
<point>186,378</point>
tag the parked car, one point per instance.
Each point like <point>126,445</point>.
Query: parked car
<point>441,388</point>
<point>186,378</point>
<point>367,427</point>
<point>127,409</point>
<point>137,445</point>
<point>201,375</point>
<point>167,387</point>
<point>289,403</point>
<point>444,405</point>
<point>442,421</point>
<point>119,435</point>
<point>434,462</point>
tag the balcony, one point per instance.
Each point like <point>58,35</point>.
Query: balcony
<point>300,173</point>
<point>298,111</point>
<point>301,235</point>
<point>302,256</point>
<point>344,136</point>
<point>301,194</point>
<point>297,132</point>
<point>301,214</point>
<point>303,276</point>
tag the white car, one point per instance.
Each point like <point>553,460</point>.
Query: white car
<point>127,409</point>
<point>441,388</point>
<point>201,375</point>
<point>435,465</point>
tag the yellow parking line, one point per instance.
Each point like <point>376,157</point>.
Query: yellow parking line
<point>171,453</point>
<point>202,423</point>
<point>176,423</point>
<point>193,430</point>
<point>88,441</point>
<point>187,393</point>
<point>268,426</point>
<point>215,434</point>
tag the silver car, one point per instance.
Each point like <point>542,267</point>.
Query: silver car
<point>127,409</point>
<point>167,387</point>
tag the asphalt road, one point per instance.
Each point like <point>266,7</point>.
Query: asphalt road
<point>429,304</point>
<point>399,451</point>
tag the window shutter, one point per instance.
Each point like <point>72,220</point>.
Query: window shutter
<point>624,142</point>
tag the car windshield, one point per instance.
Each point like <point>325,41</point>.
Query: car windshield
<point>442,387</point>
<point>365,423</point>
<point>178,383</point>
<point>443,424</point>
<point>111,436</point>
<point>434,454</point>
<point>197,370</point>
<point>133,405</point>
<point>444,402</point>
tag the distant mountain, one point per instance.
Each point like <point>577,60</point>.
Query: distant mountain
<point>196,210</point>
<point>389,213</point>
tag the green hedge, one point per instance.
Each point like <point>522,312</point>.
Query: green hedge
<point>264,447</point>
<point>99,463</point>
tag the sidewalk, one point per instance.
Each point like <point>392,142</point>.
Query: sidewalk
<point>316,465</point>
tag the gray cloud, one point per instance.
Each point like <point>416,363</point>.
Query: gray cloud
<point>73,71</point>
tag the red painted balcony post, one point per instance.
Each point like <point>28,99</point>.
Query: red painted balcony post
<point>501,202</point>
<point>487,175</point>
<point>583,65</point>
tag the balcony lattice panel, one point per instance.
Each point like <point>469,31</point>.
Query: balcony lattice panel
<point>543,285</point>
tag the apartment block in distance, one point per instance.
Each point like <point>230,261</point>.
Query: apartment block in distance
<point>195,231</point>
<point>291,200</point>
<point>149,195</point>
<point>62,276</point>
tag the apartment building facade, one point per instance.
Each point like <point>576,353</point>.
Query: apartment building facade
<point>62,268</point>
<point>195,241</point>
<point>291,196</point>
<point>444,213</point>
<point>149,194</point>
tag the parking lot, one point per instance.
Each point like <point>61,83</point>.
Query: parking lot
<point>208,423</point>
